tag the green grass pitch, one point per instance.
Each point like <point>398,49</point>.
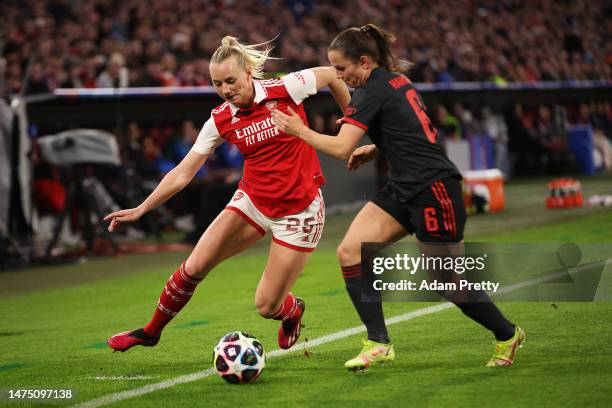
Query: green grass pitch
<point>55,322</point>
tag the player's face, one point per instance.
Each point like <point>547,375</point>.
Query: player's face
<point>353,73</point>
<point>232,82</point>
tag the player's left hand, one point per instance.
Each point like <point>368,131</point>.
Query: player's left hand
<point>361,155</point>
<point>291,124</point>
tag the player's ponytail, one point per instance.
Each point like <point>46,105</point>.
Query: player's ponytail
<point>248,56</point>
<point>372,41</point>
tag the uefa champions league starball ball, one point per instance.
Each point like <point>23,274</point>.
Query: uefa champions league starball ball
<point>239,358</point>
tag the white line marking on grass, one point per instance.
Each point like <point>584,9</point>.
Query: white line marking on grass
<point>125,377</point>
<point>123,395</point>
<point>120,396</point>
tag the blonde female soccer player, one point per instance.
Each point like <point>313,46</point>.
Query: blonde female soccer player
<point>279,191</point>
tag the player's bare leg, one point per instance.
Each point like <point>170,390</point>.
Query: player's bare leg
<point>372,224</point>
<point>228,235</point>
<point>272,298</point>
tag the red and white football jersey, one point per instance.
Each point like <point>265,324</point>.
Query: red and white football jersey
<point>282,173</point>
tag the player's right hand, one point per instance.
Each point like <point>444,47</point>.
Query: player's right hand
<point>119,217</point>
<point>361,155</point>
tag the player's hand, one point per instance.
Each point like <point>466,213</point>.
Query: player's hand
<point>291,124</point>
<point>119,217</point>
<point>361,155</point>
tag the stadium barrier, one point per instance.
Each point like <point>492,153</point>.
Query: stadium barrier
<point>106,107</point>
<point>113,108</point>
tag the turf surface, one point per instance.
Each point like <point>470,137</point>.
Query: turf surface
<point>53,336</point>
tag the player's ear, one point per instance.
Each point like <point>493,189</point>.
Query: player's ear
<point>366,62</point>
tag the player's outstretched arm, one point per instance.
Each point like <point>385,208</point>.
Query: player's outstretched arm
<point>172,183</point>
<point>326,77</point>
<point>340,146</point>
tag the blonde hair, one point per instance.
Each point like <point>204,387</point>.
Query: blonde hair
<point>248,56</point>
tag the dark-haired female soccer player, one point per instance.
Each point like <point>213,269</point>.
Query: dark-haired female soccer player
<point>279,191</point>
<point>423,196</point>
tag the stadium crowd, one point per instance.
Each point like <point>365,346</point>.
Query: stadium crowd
<point>52,44</point>
<point>110,43</point>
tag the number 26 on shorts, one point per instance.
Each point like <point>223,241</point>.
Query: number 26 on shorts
<point>293,225</point>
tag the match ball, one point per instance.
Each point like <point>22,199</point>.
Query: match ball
<point>239,358</point>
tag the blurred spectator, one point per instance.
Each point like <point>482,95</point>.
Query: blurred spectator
<point>495,127</point>
<point>168,68</point>
<point>547,132</point>
<point>601,117</point>
<point>448,126</point>
<point>469,126</point>
<point>593,114</point>
<point>178,147</point>
<point>37,83</point>
<point>443,73</point>
<point>153,155</point>
<point>602,150</point>
<point>524,146</point>
<point>115,75</point>
<point>134,152</point>
<point>152,76</point>
<point>317,123</point>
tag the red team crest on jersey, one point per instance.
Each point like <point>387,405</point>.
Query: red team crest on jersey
<point>271,105</point>
<point>238,196</point>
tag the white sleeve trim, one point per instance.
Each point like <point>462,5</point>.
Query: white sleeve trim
<point>208,138</point>
<point>300,85</point>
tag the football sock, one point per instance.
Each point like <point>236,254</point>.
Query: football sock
<point>482,310</point>
<point>370,312</point>
<point>288,309</point>
<point>176,294</point>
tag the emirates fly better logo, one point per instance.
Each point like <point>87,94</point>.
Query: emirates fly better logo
<point>257,131</point>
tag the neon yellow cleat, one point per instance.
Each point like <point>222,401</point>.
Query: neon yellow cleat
<point>506,350</point>
<point>371,353</point>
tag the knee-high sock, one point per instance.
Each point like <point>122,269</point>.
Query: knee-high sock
<point>482,310</point>
<point>176,294</point>
<point>370,312</point>
<point>288,310</point>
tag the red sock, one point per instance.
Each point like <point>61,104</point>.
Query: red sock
<point>176,294</point>
<point>353,271</point>
<point>288,309</point>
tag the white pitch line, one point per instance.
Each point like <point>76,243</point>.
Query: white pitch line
<point>123,395</point>
<point>125,377</point>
